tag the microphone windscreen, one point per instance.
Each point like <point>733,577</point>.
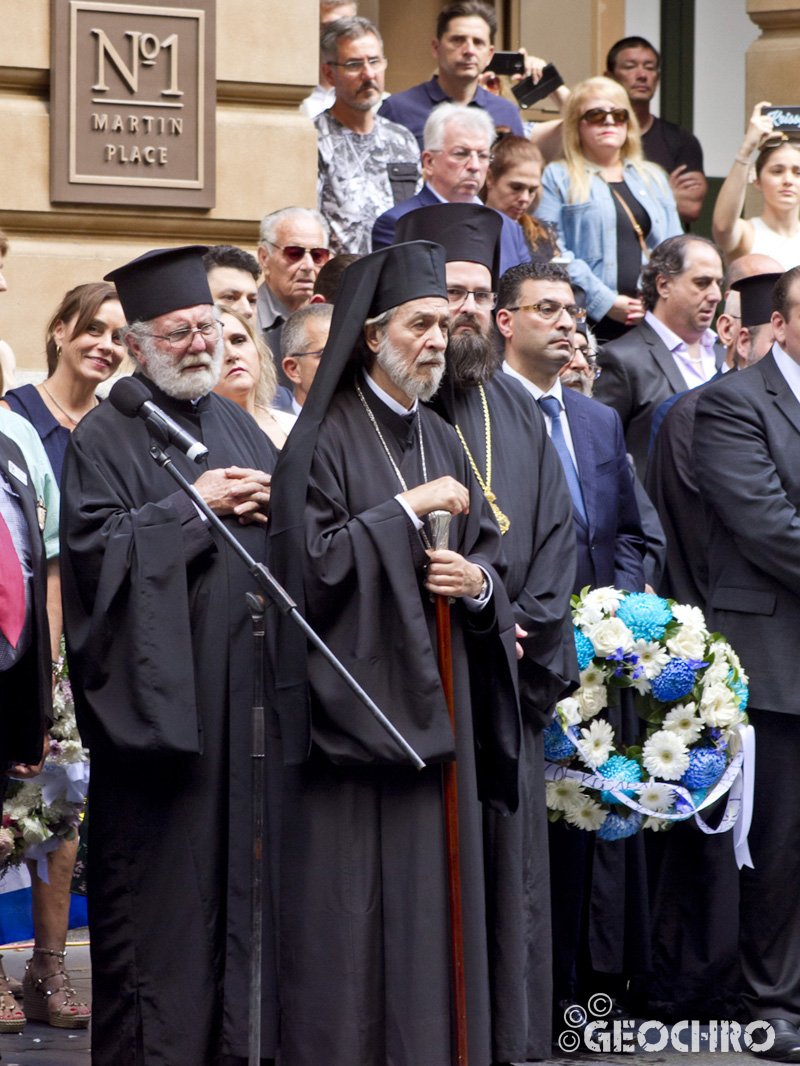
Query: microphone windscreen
<point>128,395</point>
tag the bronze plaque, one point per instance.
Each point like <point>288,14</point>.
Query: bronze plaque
<point>133,103</point>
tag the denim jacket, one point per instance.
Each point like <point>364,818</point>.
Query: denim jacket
<point>587,232</point>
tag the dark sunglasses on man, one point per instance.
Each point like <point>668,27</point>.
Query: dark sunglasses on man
<point>295,252</point>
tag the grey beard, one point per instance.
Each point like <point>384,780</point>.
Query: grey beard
<point>164,369</point>
<point>394,364</point>
<point>473,360</point>
<point>574,379</point>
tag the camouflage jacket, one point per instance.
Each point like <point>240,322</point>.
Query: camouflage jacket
<point>353,186</point>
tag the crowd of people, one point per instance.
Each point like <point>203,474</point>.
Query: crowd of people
<point>500,321</point>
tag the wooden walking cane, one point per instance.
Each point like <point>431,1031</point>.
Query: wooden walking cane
<point>440,524</point>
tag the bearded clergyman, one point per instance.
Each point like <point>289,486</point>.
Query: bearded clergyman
<point>364,927</point>
<point>505,441</point>
<point>161,663</point>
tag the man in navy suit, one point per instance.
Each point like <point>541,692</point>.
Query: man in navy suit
<point>536,316</point>
<point>455,160</point>
<point>747,457</point>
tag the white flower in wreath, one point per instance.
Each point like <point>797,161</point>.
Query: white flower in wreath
<point>688,643</point>
<point>718,706</point>
<point>718,671</point>
<point>608,635</point>
<point>730,735</point>
<point>658,825</point>
<point>586,814</point>
<point>682,721</point>
<point>595,606</point>
<point>34,831</point>
<point>598,742</point>
<point>570,711</point>
<point>665,755</point>
<point>691,616</point>
<point>656,796</point>
<point>561,795</point>
<point>652,657</point>
<point>591,700</point>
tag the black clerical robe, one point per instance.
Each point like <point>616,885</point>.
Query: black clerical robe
<point>160,654</point>
<point>528,481</point>
<point>365,972</point>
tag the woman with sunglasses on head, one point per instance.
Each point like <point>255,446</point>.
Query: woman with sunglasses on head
<point>609,206</point>
<point>248,376</point>
<point>776,231</point>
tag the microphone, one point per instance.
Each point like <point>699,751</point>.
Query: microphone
<point>133,399</point>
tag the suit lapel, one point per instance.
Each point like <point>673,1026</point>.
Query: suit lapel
<point>581,432</point>
<point>778,387</point>
<point>663,357</point>
<point>426,197</point>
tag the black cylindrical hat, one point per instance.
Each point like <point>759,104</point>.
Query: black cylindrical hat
<point>164,280</point>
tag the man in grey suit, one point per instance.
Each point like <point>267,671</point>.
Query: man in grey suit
<point>747,456</point>
<point>673,349</point>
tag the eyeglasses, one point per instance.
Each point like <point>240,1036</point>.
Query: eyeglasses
<point>590,355</point>
<point>548,309</point>
<point>180,339</point>
<point>316,354</point>
<point>354,66</point>
<point>457,294</point>
<point>295,252</point>
<point>463,155</point>
<point>596,116</point>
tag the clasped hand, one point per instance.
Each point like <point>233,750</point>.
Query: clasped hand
<point>450,574</point>
<point>236,490</point>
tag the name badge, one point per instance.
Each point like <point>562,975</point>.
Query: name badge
<point>18,473</point>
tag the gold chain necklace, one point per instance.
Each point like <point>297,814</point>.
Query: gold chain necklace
<point>486,484</point>
<point>396,468</point>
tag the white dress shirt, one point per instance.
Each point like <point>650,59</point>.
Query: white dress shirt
<point>557,392</point>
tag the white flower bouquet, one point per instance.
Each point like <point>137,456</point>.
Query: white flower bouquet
<point>691,691</point>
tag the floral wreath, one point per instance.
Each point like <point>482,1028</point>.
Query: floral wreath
<point>690,689</point>
<point>39,813</point>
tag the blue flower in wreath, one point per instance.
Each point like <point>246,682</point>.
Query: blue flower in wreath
<point>621,769</point>
<point>646,616</point>
<point>740,689</point>
<point>674,682</point>
<point>706,766</point>
<point>584,648</point>
<point>557,745</point>
<point>615,827</point>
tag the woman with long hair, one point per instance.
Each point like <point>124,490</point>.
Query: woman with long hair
<point>84,348</point>
<point>248,376</point>
<point>514,186</point>
<point>776,231</point>
<point>609,206</point>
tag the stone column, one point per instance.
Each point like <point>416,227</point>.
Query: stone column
<point>267,62</point>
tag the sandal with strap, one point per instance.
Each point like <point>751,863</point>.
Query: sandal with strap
<point>12,1018</point>
<point>38,993</point>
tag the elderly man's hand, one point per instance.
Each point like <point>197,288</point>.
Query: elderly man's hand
<point>443,494</point>
<point>450,574</point>
<point>236,490</point>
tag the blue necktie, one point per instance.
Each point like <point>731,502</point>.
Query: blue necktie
<point>551,407</point>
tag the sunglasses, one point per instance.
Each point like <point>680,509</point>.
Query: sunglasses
<point>596,116</point>
<point>295,252</point>
<point>776,140</point>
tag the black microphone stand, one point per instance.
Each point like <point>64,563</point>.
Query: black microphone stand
<point>255,606</point>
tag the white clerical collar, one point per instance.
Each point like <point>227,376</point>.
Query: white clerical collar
<point>441,199</point>
<point>555,389</point>
<point>788,368</point>
<point>390,401</point>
